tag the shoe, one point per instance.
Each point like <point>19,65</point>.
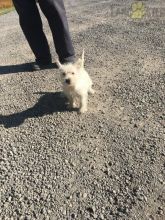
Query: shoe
<point>41,66</point>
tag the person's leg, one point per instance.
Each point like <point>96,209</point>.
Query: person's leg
<point>31,24</point>
<point>55,13</point>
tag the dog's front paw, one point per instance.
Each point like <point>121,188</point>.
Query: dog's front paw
<point>91,91</point>
<point>74,105</point>
<point>82,110</point>
<point>70,106</point>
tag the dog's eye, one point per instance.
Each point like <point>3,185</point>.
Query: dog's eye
<point>64,74</point>
<point>72,73</point>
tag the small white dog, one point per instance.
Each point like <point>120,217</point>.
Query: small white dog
<point>76,83</point>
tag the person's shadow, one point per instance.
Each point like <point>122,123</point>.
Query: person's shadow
<point>20,68</point>
<point>47,104</point>
<point>24,67</point>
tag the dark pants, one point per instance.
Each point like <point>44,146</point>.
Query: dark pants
<point>31,24</point>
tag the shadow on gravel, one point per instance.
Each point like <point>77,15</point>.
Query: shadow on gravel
<point>24,67</point>
<point>18,68</point>
<point>47,104</point>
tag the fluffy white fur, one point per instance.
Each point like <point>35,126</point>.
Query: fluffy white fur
<point>76,83</point>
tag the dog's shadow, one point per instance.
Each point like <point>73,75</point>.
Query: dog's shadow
<point>47,104</point>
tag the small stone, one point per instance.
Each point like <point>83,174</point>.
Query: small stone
<point>145,198</point>
<point>84,195</point>
<point>160,212</point>
<point>68,196</point>
<point>110,163</point>
<point>101,216</point>
<point>43,211</point>
<point>6,204</point>
<point>102,112</point>
<point>64,212</point>
<point>91,209</point>
<point>160,208</point>
<point>73,216</point>
<point>9,199</point>
<point>14,150</point>
<point>151,217</point>
<point>78,194</point>
<point>107,172</point>
<point>95,216</point>
<point>161,180</point>
<point>73,164</point>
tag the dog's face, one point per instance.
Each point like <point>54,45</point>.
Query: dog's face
<point>70,73</point>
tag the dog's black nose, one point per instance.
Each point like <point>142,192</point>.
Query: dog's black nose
<point>67,81</point>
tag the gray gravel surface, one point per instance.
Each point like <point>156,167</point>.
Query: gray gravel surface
<point>108,163</point>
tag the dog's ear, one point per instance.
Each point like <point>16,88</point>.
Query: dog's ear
<point>59,64</point>
<point>80,62</point>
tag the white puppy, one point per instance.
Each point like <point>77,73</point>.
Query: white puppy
<point>76,83</point>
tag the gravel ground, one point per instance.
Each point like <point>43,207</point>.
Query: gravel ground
<point>106,164</point>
